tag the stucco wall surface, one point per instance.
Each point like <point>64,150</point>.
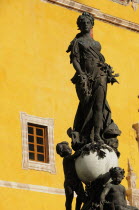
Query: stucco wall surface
<point>35,78</point>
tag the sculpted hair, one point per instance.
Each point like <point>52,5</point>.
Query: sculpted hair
<point>85,15</point>
<point>116,171</point>
<point>59,147</point>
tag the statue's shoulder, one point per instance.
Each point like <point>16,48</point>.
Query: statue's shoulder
<point>74,42</point>
<point>122,187</point>
<point>98,45</point>
<point>108,185</point>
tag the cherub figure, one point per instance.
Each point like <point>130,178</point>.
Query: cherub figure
<point>72,182</point>
<point>113,196</point>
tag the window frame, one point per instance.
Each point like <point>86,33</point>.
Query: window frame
<point>31,164</point>
<point>33,143</point>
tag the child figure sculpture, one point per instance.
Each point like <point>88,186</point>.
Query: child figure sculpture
<point>113,195</point>
<point>72,182</point>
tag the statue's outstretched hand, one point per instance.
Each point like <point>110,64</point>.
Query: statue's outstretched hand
<point>116,75</point>
<point>113,80</point>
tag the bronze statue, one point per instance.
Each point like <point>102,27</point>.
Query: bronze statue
<point>113,196</point>
<point>93,118</point>
<point>72,182</point>
<point>94,133</point>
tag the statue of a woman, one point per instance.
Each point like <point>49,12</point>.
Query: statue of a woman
<point>93,118</point>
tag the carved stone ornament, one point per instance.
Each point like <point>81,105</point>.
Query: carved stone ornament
<point>123,2</point>
<point>131,177</point>
<point>134,3</point>
<point>132,191</point>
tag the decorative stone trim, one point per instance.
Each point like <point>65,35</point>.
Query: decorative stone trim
<point>133,197</point>
<point>97,14</point>
<point>132,192</point>
<point>26,163</point>
<point>135,4</point>
<point>131,177</point>
<point>123,2</point>
<point>36,188</point>
<point>127,2</point>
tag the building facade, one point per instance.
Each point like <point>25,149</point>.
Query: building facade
<point>38,100</point>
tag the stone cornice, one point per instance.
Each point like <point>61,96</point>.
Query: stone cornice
<point>97,14</point>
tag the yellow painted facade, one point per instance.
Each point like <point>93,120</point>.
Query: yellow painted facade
<point>35,78</point>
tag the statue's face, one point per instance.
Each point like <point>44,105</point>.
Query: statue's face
<point>66,150</point>
<point>86,25</point>
<point>117,178</point>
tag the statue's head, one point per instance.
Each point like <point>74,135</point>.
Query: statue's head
<point>85,22</point>
<point>63,149</point>
<point>117,174</point>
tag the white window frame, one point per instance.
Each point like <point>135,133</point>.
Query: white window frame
<point>26,163</point>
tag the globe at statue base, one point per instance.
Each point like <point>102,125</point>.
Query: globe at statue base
<point>90,167</point>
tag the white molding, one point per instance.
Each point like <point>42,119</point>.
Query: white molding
<point>97,14</point>
<point>36,188</point>
<point>125,2</point>
<point>26,163</point>
<point>133,3</point>
<point>43,189</point>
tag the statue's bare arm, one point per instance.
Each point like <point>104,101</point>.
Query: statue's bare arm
<point>104,193</point>
<point>77,66</point>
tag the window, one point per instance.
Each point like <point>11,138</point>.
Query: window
<point>38,146</point>
<point>38,143</point>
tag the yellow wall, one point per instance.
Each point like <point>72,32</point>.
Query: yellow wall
<point>13,199</point>
<point>35,78</point>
